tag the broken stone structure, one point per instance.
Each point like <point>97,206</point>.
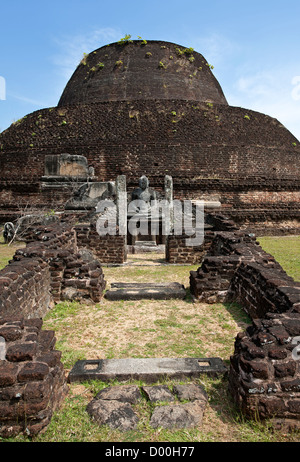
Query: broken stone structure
<point>114,406</point>
<point>153,109</point>
<point>264,373</point>
<point>49,269</point>
<point>32,378</point>
<point>264,376</point>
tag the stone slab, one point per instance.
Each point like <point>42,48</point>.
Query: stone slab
<point>148,249</point>
<point>145,243</point>
<point>144,291</point>
<point>115,414</point>
<point>145,285</point>
<point>187,415</point>
<point>148,370</point>
<point>158,393</point>
<point>130,394</point>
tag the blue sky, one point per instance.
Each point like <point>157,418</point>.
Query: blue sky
<point>254,47</point>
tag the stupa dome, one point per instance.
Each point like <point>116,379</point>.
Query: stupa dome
<point>155,71</point>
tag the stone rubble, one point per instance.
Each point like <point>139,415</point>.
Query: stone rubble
<point>113,406</point>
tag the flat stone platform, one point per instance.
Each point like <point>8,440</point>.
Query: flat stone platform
<point>148,291</point>
<point>147,369</point>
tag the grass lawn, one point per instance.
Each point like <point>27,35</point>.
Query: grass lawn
<point>286,250</point>
<point>175,328</point>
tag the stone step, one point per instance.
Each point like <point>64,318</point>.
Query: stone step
<point>145,244</point>
<point>148,370</point>
<point>144,291</point>
<point>147,247</point>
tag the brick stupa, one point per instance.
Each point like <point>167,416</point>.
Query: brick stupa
<point>155,108</point>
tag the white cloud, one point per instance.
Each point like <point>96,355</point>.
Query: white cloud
<point>24,99</point>
<point>71,48</point>
<point>272,92</point>
<point>2,88</point>
<point>216,48</point>
<point>296,88</point>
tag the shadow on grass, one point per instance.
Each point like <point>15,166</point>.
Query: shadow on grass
<point>238,314</point>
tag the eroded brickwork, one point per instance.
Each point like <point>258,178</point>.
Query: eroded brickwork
<point>32,377</point>
<point>107,249</point>
<point>51,268</point>
<point>264,377</point>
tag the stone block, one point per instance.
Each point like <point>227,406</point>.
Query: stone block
<point>190,392</point>
<point>116,414</point>
<point>32,371</point>
<point>140,291</point>
<point>124,393</point>
<point>21,351</point>
<point>178,416</point>
<point>146,369</point>
<point>8,373</point>
<point>158,393</point>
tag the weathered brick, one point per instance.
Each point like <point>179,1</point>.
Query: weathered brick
<point>8,373</point>
<point>32,371</point>
<point>21,351</point>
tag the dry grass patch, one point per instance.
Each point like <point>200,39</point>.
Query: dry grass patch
<point>145,328</point>
<point>8,251</point>
<point>174,328</point>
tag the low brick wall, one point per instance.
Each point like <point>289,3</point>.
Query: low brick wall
<point>32,379</point>
<point>264,377</point>
<point>107,249</point>
<point>25,288</point>
<point>211,282</point>
<point>178,252</point>
<point>49,269</point>
<point>262,288</point>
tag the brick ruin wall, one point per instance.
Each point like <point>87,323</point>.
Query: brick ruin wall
<point>182,249</point>
<point>49,269</point>
<point>32,377</point>
<point>107,249</point>
<point>264,376</point>
<point>178,252</point>
<point>62,272</point>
